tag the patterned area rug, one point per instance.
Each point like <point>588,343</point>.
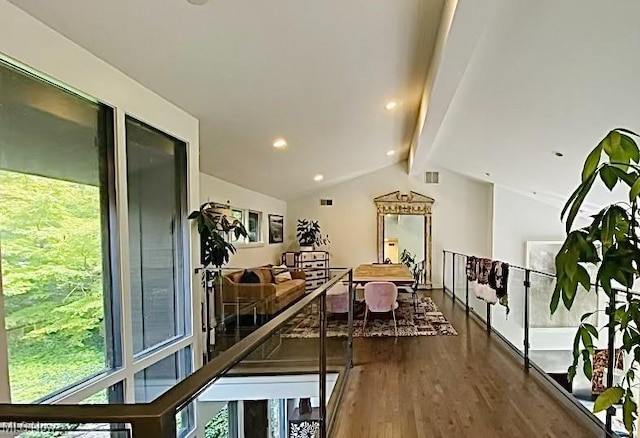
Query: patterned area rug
<point>427,321</point>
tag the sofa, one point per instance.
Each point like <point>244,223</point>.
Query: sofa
<point>268,296</point>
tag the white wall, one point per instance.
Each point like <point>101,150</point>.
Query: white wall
<point>216,190</point>
<point>518,219</point>
<point>37,46</point>
<point>461,215</point>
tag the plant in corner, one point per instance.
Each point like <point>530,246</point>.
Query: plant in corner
<point>214,228</point>
<point>309,234</point>
<point>611,243</point>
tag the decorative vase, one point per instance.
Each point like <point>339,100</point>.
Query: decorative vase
<point>306,248</point>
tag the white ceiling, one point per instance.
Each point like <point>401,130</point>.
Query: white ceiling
<point>316,73</point>
<point>531,78</point>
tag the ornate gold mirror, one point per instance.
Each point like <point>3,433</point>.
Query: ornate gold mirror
<point>404,230</point>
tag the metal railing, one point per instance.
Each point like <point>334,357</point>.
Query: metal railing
<point>454,267</point>
<point>158,418</point>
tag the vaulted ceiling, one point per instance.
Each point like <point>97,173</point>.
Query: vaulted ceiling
<point>522,80</point>
<point>315,73</point>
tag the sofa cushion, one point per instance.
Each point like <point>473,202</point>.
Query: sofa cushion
<point>289,287</point>
<point>249,277</point>
<point>281,274</point>
<point>235,276</point>
<point>264,274</point>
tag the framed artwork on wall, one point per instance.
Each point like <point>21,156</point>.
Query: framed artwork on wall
<point>541,256</point>
<point>276,228</point>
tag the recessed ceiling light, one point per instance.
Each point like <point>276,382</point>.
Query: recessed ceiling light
<point>558,154</point>
<point>318,177</point>
<point>197,2</point>
<point>279,143</point>
<point>391,105</point>
<point>390,153</point>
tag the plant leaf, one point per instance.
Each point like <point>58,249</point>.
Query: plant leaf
<point>583,190</point>
<point>608,398</point>
<point>591,163</point>
<point>609,177</point>
<point>626,131</point>
<point>583,277</point>
<point>629,408</point>
<point>587,367</point>
<point>555,298</point>
<point>635,190</point>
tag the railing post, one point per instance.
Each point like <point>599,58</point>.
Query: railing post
<point>527,290</point>
<point>488,318</point>
<point>453,284</point>
<point>611,359</point>
<point>323,365</point>
<point>466,298</point>
<point>444,270</point>
<point>350,339</point>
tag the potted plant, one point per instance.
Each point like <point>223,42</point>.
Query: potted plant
<point>611,242</point>
<point>409,260</point>
<point>215,227</point>
<point>309,235</point>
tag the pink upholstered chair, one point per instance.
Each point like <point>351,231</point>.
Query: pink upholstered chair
<point>338,299</point>
<point>381,297</point>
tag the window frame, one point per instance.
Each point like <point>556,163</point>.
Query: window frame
<point>109,227</point>
<point>180,240</point>
<point>245,242</point>
<point>127,364</point>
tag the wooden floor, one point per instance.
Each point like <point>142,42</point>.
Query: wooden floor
<point>446,386</point>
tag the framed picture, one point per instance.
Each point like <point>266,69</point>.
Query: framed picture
<point>276,228</point>
<point>541,256</point>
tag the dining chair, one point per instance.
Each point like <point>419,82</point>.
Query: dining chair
<point>381,297</point>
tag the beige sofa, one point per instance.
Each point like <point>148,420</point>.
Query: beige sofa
<point>269,297</point>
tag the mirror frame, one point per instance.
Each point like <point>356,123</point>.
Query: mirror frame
<point>411,203</point>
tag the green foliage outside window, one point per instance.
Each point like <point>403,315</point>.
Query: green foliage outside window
<point>50,241</point>
<point>218,427</point>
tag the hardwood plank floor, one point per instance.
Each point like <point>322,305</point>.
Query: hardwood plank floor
<point>446,386</point>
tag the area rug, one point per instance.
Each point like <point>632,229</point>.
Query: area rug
<point>427,321</point>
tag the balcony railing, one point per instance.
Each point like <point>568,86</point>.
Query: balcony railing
<point>544,342</point>
<point>261,352</point>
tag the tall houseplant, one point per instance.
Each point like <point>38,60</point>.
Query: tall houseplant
<point>309,234</point>
<point>215,228</point>
<point>611,243</point>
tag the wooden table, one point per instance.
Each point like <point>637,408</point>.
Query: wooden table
<point>398,274</point>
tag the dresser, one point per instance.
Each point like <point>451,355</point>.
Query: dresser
<point>315,265</point>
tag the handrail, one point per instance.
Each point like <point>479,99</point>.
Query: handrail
<point>546,274</point>
<point>175,398</point>
<point>181,393</point>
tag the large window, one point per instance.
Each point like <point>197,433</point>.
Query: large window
<point>56,183</point>
<point>94,251</point>
<point>156,174</point>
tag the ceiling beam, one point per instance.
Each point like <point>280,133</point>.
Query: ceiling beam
<point>462,25</point>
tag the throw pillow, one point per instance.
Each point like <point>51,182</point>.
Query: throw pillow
<point>249,277</point>
<point>281,273</point>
